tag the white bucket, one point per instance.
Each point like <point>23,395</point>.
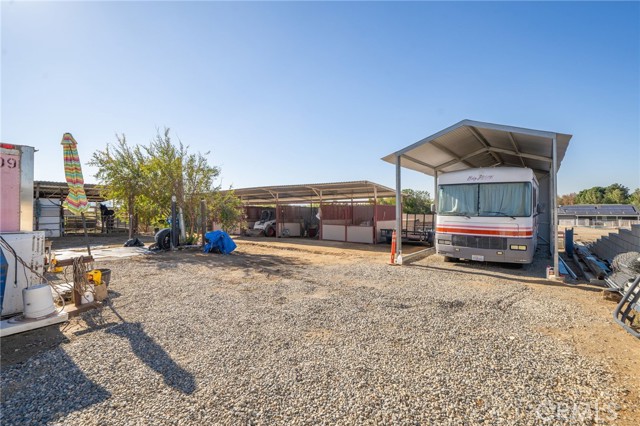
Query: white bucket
<point>37,301</point>
<point>88,296</point>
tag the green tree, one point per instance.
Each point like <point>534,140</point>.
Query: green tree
<point>172,170</point>
<point>164,170</point>
<point>612,194</point>
<point>227,210</point>
<point>634,198</point>
<point>616,194</point>
<point>415,201</point>
<point>567,199</point>
<point>593,195</point>
<point>198,184</point>
<point>145,178</point>
<point>121,171</point>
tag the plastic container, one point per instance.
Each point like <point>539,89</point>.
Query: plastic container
<point>99,276</point>
<point>106,276</point>
<point>38,301</point>
<point>568,241</point>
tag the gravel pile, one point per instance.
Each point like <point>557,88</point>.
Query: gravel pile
<point>212,340</point>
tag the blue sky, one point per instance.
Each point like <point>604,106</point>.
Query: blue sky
<point>285,93</point>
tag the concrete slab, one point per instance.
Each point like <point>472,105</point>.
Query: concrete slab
<point>20,324</point>
<point>102,252</point>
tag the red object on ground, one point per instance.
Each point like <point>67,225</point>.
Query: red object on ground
<point>393,247</point>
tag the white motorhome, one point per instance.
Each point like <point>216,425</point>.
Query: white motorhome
<point>488,214</point>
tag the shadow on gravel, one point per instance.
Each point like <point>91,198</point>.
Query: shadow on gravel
<point>43,390</point>
<point>22,346</point>
<point>142,345</point>
<point>152,354</point>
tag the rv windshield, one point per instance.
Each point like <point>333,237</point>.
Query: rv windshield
<point>486,199</point>
<point>458,200</point>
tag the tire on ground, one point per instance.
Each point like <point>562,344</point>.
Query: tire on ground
<point>270,231</point>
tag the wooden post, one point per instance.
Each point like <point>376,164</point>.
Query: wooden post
<point>61,213</point>
<point>86,237</point>
<point>203,219</point>
<point>77,296</point>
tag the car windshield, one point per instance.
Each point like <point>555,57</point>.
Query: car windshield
<point>485,199</point>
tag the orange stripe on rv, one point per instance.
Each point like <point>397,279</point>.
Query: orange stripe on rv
<point>493,232</point>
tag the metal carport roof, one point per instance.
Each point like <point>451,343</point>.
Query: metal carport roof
<point>473,144</point>
<point>313,192</point>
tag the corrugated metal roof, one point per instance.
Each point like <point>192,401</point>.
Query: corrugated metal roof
<point>58,190</point>
<point>313,192</point>
<point>471,144</point>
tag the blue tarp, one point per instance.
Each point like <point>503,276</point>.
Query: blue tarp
<point>218,241</point>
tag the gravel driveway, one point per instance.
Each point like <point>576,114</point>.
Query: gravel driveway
<point>273,337</point>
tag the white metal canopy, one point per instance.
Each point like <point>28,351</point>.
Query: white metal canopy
<point>313,192</point>
<point>473,144</point>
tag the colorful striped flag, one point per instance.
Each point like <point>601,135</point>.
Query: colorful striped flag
<point>76,201</point>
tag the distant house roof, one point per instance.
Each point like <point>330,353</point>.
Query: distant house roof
<point>59,190</point>
<point>313,192</point>
<point>587,210</point>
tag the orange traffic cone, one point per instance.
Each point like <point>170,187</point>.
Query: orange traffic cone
<point>393,247</point>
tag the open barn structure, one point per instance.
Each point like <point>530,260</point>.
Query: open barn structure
<point>338,211</point>
<point>50,216</point>
<point>472,144</point>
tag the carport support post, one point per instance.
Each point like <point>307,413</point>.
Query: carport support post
<point>375,215</point>
<point>321,215</point>
<point>398,253</point>
<point>277,217</point>
<point>434,207</point>
<point>554,205</point>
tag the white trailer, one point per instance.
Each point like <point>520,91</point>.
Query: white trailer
<point>21,249</point>
<point>488,214</point>
<point>16,176</point>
